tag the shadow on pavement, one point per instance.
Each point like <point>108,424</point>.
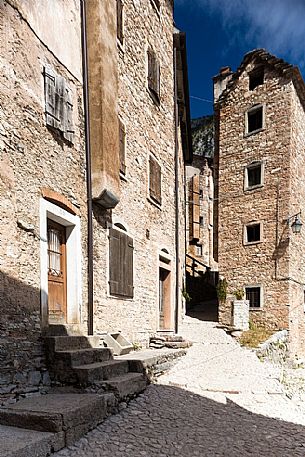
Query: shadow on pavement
<point>169,421</point>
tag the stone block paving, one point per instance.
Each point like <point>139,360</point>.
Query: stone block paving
<point>218,400</point>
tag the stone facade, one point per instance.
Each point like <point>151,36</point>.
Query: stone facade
<point>43,176</point>
<point>271,260</point>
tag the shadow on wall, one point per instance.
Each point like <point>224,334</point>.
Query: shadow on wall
<point>22,357</point>
<point>171,421</point>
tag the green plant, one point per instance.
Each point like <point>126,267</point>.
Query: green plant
<point>221,290</point>
<point>136,346</point>
<point>239,294</point>
<point>186,296</point>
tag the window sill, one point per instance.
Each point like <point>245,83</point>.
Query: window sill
<point>256,309</point>
<point>257,186</point>
<point>247,134</point>
<point>120,297</point>
<point>154,98</point>
<point>251,243</point>
<point>153,202</point>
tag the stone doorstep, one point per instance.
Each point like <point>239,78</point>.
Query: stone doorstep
<point>19,442</point>
<point>69,414</point>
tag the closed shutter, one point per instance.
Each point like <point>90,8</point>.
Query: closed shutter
<point>68,127</point>
<point>114,261</point>
<point>52,119</point>
<point>154,180</point>
<point>121,264</point>
<point>119,6</point>
<point>156,3</point>
<point>196,207</point>
<point>122,136</point>
<point>153,74</point>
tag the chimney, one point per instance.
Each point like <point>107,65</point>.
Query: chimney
<point>221,80</point>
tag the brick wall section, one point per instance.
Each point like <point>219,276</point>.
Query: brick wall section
<point>31,157</point>
<point>255,264</point>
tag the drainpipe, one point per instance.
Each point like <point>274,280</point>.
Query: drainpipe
<point>177,240</point>
<point>88,166</point>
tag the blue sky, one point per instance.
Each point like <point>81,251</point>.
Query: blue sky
<point>220,32</point>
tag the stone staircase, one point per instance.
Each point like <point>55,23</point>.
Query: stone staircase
<point>79,361</point>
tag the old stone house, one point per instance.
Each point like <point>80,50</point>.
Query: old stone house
<point>259,190</point>
<point>94,135</point>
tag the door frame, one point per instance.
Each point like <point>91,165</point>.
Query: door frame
<point>51,211</point>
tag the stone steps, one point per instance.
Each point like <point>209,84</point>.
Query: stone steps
<point>89,373</point>
<point>76,357</point>
<point>65,418</point>
<point>67,343</point>
<point>127,384</point>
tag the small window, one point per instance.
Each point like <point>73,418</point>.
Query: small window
<point>119,9</point>
<point>253,294</point>
<point>256,78</point>
<point>201,221</point>
<point>153,76</point>
<point>120,264</point>
<point>122,136</point>
<point>154,180</point>
<point>199,250</point>
<point>253,233</point>
<point>255,119</point>
<point>254,175</point>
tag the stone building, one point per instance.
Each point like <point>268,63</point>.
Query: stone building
<point>91,225</point>
<point>259,190</point>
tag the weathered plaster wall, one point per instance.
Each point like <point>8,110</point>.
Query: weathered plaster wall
<point>259,263</point>
<point>31,157</point>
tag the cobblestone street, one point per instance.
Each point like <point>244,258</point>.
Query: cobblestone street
<point>219,400</point>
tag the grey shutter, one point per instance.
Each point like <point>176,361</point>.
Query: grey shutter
<point>59,101</point>
<point>122,135</point>
<point>52,118</point>
<point>114,261</point>
<point>150,76</point>
<point>68,127</point>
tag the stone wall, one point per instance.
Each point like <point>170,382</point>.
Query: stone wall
<point>32,157</point>
<point>149,130</point>
<point>265,262</point>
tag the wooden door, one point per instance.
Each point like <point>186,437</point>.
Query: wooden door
<point>164,299</point>
<point>57,277</point>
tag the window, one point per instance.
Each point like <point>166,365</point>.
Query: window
<point>256,78</point>
<point>120,263</point>
<point>122,136</point>
<point>253,294</point>
<point>153,76</point>
<point>58,104</point>
<point>201,221</point>
<point>156,4</point>
<point>253,233</point>
<point>254,119</point>
<point>199,250</point>
<point>119,10</point>
<point>254,175</point>
<point>154,180</point>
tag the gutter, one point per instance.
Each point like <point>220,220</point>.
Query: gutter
<point>88,166</point>
<point>177,238</point>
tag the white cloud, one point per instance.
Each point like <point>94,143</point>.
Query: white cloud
<point>277,25</point>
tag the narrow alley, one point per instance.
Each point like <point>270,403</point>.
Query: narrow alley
<point>218,400</point>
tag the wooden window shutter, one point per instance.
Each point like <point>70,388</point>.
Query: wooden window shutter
<point>156,3</point>
<point>114,261</point>
<point>196,207</point>
<point>68,127</point>
<point>127,265</point>
<point>52,118</point>
<point>119,8</point>
<point>154,180</point>
<point>154,74</point>
<point>122,136</point>
<point>120,263</point>
<point>150,58</point>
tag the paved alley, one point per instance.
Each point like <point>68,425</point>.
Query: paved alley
<point>218,400</point>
